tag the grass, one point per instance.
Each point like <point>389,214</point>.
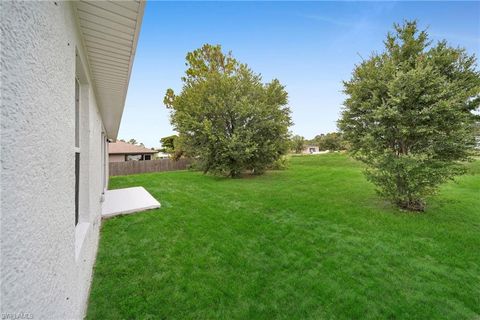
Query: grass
<point>310,242</point>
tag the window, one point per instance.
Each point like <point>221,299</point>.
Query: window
<point>77,180</point>
<point>77,146</point>
<point>148,157</point>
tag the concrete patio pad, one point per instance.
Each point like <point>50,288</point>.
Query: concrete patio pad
<point>126,201</point>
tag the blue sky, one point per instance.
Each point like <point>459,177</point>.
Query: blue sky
<point>309,46</point>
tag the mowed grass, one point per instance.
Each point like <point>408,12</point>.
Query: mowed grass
<point>310,242</point>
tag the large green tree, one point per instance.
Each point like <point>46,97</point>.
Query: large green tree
<point>332,141</point>
<point>227,118</point>
<point>408,114</point>
<point>297,143</point>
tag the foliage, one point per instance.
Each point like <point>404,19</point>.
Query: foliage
<point>305,243</point>
<point>281,163</point>
<point>297,143</point>
<point>168,143</point>
<point>408,114</point>
<point>172,145</point>
<point>132,141</point>
<point>226,117</point>
<point>332,141</point>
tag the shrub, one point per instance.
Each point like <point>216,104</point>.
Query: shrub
<point>408,115</point>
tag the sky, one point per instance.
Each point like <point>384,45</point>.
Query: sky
<point>311,47</point>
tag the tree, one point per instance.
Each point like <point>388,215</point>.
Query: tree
<point>168,143</point>
<point>332,141</point>
<point>226,117</point>
<point>408,114</point>
<point>132,141</point>
<point>297,143</point>
<point>172,145</point>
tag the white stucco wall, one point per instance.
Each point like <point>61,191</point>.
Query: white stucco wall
<point>41,272</point>
<point>307,149</point>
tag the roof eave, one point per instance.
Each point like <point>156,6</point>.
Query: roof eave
<point>142,152</point>
<point>114,133</point>
<point>109,76</point>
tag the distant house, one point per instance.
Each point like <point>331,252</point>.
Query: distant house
<point>121,151</point>
<point>311,149</point>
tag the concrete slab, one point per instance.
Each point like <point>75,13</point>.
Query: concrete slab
<point>127,201</point>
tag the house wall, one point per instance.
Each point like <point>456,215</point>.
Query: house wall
<point>307,149</point>
<point>116,158</point>
<point>46,261</point>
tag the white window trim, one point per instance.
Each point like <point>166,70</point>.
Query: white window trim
<point>81,231</point>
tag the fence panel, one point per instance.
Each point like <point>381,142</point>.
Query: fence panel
<point>134,167</point>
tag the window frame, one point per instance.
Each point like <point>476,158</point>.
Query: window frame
<point>77,150</point>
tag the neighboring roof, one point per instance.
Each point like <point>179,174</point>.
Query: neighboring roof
<point>110,33</point>
<point>121,147</point>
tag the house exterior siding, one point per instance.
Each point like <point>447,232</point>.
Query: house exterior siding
<point>116,158</point>
<point>125,157</point>
<point>310,150</point>
<point>46,261</point>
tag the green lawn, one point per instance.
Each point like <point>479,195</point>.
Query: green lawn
<point>310,242</point>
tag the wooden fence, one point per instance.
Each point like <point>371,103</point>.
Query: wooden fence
<point>134,167</point>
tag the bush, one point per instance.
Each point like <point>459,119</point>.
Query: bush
<point>408,115</point>
<point>281,164</point>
